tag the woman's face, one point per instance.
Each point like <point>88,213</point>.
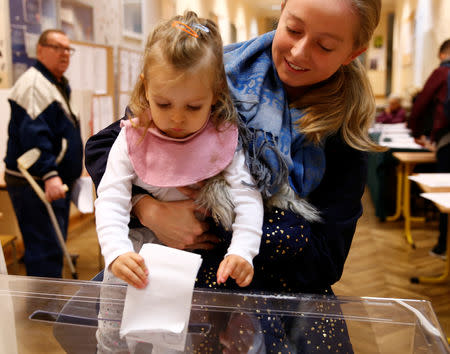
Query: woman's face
<point>313,39</point>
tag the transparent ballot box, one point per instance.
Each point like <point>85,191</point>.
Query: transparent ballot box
<point>40,315</point>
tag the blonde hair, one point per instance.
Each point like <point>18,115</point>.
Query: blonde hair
<point>345,102</point>
<point>170,45</point>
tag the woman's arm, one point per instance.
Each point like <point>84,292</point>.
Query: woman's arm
<point>338,198</point>
<point>174,223</point>
<point>297,256</point>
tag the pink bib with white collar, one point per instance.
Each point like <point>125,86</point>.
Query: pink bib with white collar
<point>161,161</point>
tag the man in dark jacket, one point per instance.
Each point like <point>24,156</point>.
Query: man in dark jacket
<point>43,117</point>
<point>432,98</point>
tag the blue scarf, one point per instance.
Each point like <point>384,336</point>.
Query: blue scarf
<point>276,153</point>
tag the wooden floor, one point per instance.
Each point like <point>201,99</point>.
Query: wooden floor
<point>380,262</point>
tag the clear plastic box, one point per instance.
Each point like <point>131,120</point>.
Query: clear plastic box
<point>39,315</point>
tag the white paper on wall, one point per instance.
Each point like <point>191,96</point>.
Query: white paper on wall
<point>96,115</point>
<point>4,121</point>
<point>74,71</point>
<point>107,111</point>
<point>101,71</point>
<point>124,99</point>
<point>124,71</point>
<point>135,68</point>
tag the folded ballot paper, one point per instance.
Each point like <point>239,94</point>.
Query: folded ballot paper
<point>159,314</point>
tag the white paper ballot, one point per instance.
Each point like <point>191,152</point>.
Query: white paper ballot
<point>83,195</point>
<point>159,314</point>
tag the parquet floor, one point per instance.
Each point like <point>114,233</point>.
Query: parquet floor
<point>380,263</point>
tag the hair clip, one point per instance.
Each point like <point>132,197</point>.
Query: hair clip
<point>184,27</point>
<point>201,27</point>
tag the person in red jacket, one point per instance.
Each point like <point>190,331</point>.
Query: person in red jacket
<point>394,112</point>
<point>431,99</point>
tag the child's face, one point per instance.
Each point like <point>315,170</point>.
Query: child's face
<point>313,39</point>
<point>180,104</point>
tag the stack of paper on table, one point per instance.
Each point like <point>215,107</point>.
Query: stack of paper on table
<point>442,199</point>
<point>159,314</point>
<point>432,179</point>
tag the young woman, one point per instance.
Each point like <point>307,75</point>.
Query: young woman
<point>307,71</point>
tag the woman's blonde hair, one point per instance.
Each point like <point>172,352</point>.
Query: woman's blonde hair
<point>345,102</point>
<point>171,44</point>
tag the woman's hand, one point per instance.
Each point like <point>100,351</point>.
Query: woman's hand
<point>131,268</point>
<point>236,267</point>
<point>175,223</point>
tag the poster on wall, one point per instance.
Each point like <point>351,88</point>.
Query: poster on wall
<point>377,59</point>
<point>28,18</point>
<point>32,11</point>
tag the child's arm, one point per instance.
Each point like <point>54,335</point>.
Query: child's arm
<point>113,205</point>
<point>247,225</point>
<point>131,268</point>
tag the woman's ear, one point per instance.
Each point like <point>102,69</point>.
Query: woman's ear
<point>354,55</point>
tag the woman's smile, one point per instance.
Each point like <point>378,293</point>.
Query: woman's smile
<point>294,67</point>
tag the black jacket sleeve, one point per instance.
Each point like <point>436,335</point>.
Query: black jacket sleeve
<point>338,197</point>
<point>97,151</point>
<point>297,256</point>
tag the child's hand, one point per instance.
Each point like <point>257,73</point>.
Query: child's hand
<point>131,268</point>
<point>236,267</point>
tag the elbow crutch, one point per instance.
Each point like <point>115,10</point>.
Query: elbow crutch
<point>24,162</point>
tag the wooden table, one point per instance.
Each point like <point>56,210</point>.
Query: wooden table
<point>440,193</point>
<point>407,162</point>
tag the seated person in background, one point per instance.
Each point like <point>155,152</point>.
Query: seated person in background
<point>394,112</point>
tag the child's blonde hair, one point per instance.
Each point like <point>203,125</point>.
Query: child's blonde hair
<point>169,44</point>
<point>345,102</point>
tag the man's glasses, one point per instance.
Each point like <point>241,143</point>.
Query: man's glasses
<point>60,49</point>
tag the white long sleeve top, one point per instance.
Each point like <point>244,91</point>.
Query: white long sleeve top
<point>113,205</point>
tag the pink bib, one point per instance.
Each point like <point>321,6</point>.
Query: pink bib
<point>162,161</point>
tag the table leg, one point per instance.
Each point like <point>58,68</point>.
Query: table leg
<point>407,204</point>
<point>398,202</point>
<point>441,278</point>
